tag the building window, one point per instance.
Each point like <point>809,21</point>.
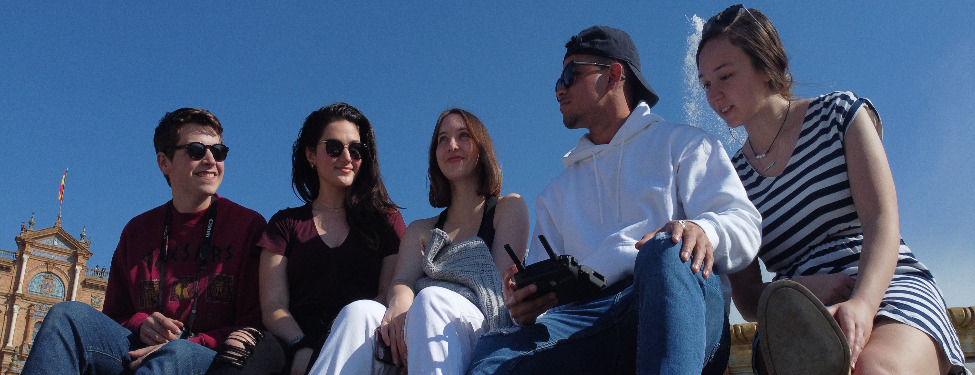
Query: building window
<point>46,284</point>
<point>33,335</point>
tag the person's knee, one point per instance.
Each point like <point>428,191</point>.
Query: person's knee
<point>359,315</point>
<point>243,348</point>
<point>428,297</point>
<point>361,307</point>
<point>181,347</point>
<point>659,260</point>
<point>64,313</point>
<point>68,309</point>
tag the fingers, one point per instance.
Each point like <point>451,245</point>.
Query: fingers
<point>507,282</point>
<point>677,228</point>
<point>855,331</point>
<point>646,237</point>
<point>397,339</point>
<point>524,310</point>
<point>383,331</point>
<point>708,263</point>
<point>850,328</point>
<point>138,355</point>
<point>696,245</point>
<point>150,336</point>
<point>158,329</point>
<point>401,350</point>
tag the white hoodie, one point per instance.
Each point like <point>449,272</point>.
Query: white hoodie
<point>652,171</point>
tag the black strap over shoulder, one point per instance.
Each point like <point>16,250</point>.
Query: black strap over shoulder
<point>486,231</point>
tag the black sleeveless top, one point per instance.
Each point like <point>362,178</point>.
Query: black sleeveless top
<point>486,231</point>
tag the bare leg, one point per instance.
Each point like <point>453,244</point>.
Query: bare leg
<point>897,348</point>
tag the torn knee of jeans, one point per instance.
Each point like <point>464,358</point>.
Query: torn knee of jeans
<point>239,346</point>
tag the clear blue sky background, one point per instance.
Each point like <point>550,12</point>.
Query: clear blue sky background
<point>82,86</point>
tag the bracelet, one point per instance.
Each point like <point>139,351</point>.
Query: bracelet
<point>301,343</point>
<point>294,341</point>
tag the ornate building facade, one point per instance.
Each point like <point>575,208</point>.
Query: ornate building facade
<point>49,266</point>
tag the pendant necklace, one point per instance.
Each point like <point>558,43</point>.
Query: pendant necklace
<point>764,154</point>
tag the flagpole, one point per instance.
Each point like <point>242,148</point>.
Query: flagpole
<point>61,193</point>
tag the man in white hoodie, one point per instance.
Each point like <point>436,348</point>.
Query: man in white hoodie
<point>654,207</point>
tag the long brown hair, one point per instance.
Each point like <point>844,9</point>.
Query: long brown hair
<point>489,172</point>
<point>754,33</point>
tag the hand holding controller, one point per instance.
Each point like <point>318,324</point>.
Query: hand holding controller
<point>561,274</point>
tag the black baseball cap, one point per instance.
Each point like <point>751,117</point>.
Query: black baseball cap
<point>616,44</point>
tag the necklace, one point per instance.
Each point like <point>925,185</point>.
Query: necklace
<point>325,208</point>
<point>764,154</point>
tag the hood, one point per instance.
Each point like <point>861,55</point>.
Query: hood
<point>640,119</point>
<point>606,177</point>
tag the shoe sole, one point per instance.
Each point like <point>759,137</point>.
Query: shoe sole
<point>797,334</point>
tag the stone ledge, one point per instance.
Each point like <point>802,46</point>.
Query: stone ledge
<point>741,339</point>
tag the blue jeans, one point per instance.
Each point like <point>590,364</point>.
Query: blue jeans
<point>77,339</point>
<point>669,321</point>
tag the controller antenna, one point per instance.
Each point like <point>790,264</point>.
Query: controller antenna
<point>548,249</point>
<point>514,258</point>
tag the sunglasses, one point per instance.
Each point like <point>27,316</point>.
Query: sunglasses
<point>197,150</point>
<point>726,17</point>
<point>568,73</point>
<point>334,148</point>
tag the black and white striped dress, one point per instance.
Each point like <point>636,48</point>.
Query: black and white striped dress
<point>810,226</point>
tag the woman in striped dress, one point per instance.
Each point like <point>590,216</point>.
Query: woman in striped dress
<point>817,171</point>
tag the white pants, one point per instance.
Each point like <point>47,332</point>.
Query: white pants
<point>440,322</point>
<point>349,347</point>
<point>441,329</point>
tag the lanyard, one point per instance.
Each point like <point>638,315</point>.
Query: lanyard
<point>202,257</point>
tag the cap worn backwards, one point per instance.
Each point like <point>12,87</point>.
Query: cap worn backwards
<point>616,44</point>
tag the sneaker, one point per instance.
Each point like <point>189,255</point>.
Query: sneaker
<point>797,335</point>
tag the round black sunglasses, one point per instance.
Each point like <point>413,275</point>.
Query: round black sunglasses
<point>334,147</point>
<point>197,150</point>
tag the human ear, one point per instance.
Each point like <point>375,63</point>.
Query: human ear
<point>164,163</point>
<point>310,156</point>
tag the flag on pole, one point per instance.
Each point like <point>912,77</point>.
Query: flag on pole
<point>61,192</point>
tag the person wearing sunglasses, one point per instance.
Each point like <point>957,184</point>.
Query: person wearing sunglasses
<point>653,206</point>
<point>817,171</point>
<point>339,247</point>
<point>446,290</point>
<point>182,276</point>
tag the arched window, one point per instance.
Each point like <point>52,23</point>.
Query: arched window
<point>46,284</point>
<point>33,335</point>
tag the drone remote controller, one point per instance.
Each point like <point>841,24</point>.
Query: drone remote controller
<point>561,274</point>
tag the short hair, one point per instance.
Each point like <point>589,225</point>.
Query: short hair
<point>489,172</point>
<point>168,131</point>
<point>367,202</point>
<point>754,33</point>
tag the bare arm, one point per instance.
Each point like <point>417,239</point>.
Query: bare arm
<point>746,289</point>
<point>872,187</point>
<point>409,269</point>
<point>386,276</point>
<point>511,228</point>
<point>275,296</point>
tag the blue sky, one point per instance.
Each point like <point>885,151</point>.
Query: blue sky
<point>82,87</point>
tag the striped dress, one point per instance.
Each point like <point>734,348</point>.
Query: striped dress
<point>810,225</point>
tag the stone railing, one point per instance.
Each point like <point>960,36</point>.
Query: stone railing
<point>8,255</point>
<point>741,340</point>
